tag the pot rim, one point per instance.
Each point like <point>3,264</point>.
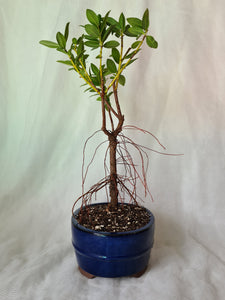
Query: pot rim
<point>104,233</point>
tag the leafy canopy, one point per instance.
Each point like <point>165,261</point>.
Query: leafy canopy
<point>103,34</point>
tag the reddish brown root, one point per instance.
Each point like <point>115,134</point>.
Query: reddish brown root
<point>133,172</point>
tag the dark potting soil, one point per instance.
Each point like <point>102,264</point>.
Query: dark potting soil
<point>125,218</point>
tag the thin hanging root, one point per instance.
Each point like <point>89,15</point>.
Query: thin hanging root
<point>91,161</point>
<point>142,176</point>
<point>84,148</point>
<point>132,172</point>
<point>87,197</point>
<point>132,193</point>
<point>144,131</point>
<point>147,148</point>
<point>131,163</point>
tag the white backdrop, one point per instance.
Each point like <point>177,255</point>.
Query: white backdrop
<point>176,92</point>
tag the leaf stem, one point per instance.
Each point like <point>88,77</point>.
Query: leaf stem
<point>89,78</point>
<point>120,61</point>
<point>128,50</point>
<point>103,92</point>
<point>100,56</point>
<point>88,82</point>
<point>125,65</point>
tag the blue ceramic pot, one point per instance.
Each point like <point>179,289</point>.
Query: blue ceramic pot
<point>107,254</point>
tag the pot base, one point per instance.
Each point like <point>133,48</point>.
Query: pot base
<point>112,254</point>
<point>86,274</point>
<point>139,274</point>
<point>91,276</point>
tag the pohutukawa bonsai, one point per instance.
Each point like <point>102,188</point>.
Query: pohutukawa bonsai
<point>123,246</point>
<point>108,38</point>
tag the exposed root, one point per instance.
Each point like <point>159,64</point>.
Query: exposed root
<point>132,171</point>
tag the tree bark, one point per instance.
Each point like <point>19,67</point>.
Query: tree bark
<point>112,137</point>
<point>113,191</point>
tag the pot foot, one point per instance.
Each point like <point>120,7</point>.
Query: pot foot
<point>86,274</point>
<point>140,273</point>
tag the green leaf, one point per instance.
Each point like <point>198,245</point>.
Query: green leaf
<point>103,25</point>
<point>132,60</point>
<point>151,42</point>
<point>65,62</point>
<point>96,80</point>
<point>126,32</point>
<point>107,72</point>
<point>61,40</point>
<point>107,33</point>
<point>80,48</point>
<point>134,22</point>
<point>122,80</point>
<point>96,94</point>
<point>92,17</point>
<point>111,44</point>
<point>95,69</point>
<point>99,18</point>
<point>108,100</point>
<point>135,31</point>
<point>112,21</point>
<point>74,40</point>
<point>82,72</point>
<point>83,59</point>
<point>91,38</point>
<point>122,22</point>
<point>132,53</point>
<point>116,25</point>
<point>91,90</point>
<point>135,44</point>
<point>66,33</point>
<point>61,50</point>
<point>80,39</point>
<point>70,53</point>
<point>88,89</point>
<point>92,30</point>
<point>111,66</point>
<point>109,94</point>
<point>92,44</point>
<point>116,55</point>
<point>49,44</point>
<point>145,20</point>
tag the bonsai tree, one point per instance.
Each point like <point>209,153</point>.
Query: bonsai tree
<point>103,76</point>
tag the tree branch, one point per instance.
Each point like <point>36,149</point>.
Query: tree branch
<point>116,99</point>
<point>111,120</point>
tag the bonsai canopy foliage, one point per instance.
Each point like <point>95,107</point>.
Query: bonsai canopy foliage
<point>103,33</point>
<point>105,36</point>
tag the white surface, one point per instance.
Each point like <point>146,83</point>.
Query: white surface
<point>178,90</point>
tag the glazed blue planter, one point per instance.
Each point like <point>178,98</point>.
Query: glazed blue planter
<point>116,254</point>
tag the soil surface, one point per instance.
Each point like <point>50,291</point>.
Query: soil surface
<point>125,218</point>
